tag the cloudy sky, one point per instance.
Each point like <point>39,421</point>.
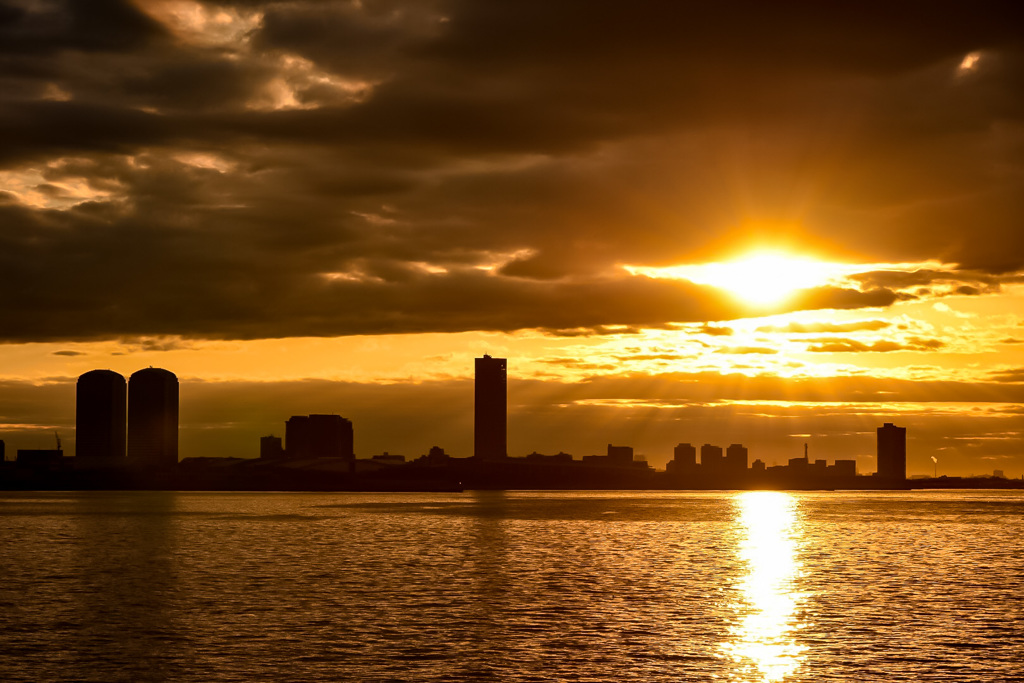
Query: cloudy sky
<point>769,223</point>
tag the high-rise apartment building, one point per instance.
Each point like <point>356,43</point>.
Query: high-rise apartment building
<point>736,458</point>
<point>711,459</point>
<point>490,409</point>
<point>100,415</point>
<point>892,451</point>
<point>153,417</point>
<point>684,459</point>
<point>684,455</point>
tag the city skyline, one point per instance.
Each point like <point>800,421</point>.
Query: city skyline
<point>511,340</point>
<point>684,222</point>
<point>318,453</point>
<point>152,424</point>
<point>156,432</point>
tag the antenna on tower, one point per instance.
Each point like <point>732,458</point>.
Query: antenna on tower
<point>805,451</point>
<point>57,436</point>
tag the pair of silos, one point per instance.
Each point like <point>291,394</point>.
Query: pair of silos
<point>149,401</point>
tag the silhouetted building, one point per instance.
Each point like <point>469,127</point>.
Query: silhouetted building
<point>39,458</point>
<point>101,415</point>
<point>490,408</point>
<point>757,466</point>
<point>799,465</point>
<point>892,451</point>
<point>319,436</point>
<point>620,455</point>
<point>684,454</point>
<point>684,458</point>
<point>271,447</point>
<point>559,457</point>
<point>711,460</point>
<point>616,456</point>
<point>296,437</point>
<point>153,417</point>
<point>3,453</point>
<point>437,456</point>
<point>843,468</point>
<point>736,458</point>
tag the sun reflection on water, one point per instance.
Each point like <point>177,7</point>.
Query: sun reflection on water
<point>762,642</point>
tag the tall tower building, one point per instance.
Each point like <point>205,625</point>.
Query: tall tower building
<point>892,451</point>
<point>684,455</point>
<point>100,414</point>
<point>711,459</point>
<point>490,409</point>
<point>153,417</point>
<point>736,458</point>
<point>684,459</point>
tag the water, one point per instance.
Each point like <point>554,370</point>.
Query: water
<point>633,586</point>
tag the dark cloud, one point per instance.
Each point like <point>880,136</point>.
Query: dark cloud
<point>962,282</point>
<point>66,352</point>
<point>143,344</point>
<point>96,25</point>
<point>843,298</point>
<point>368,40</point>
<point>652,356</point>
<point>1015,375</point>
<point>837,345</point>
<point>875,37</point>
<point>576,364</point>
<point>466,165</point>
<point>598,330</point>
<point>820,327</point>
<point>739,350</point>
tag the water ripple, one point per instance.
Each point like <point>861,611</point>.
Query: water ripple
<point>512,587</point>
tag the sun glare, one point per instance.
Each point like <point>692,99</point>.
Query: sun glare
<point>969,62</point>
<point>761,279</point>
<point>766,278</point>
<point>764,646</point>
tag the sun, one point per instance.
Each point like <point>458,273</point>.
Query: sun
<point>765,278</point>
<point>761,279</point>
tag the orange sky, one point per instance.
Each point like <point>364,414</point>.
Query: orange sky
<point>773,225</point>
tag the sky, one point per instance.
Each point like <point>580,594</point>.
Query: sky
<point>773,224</point>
